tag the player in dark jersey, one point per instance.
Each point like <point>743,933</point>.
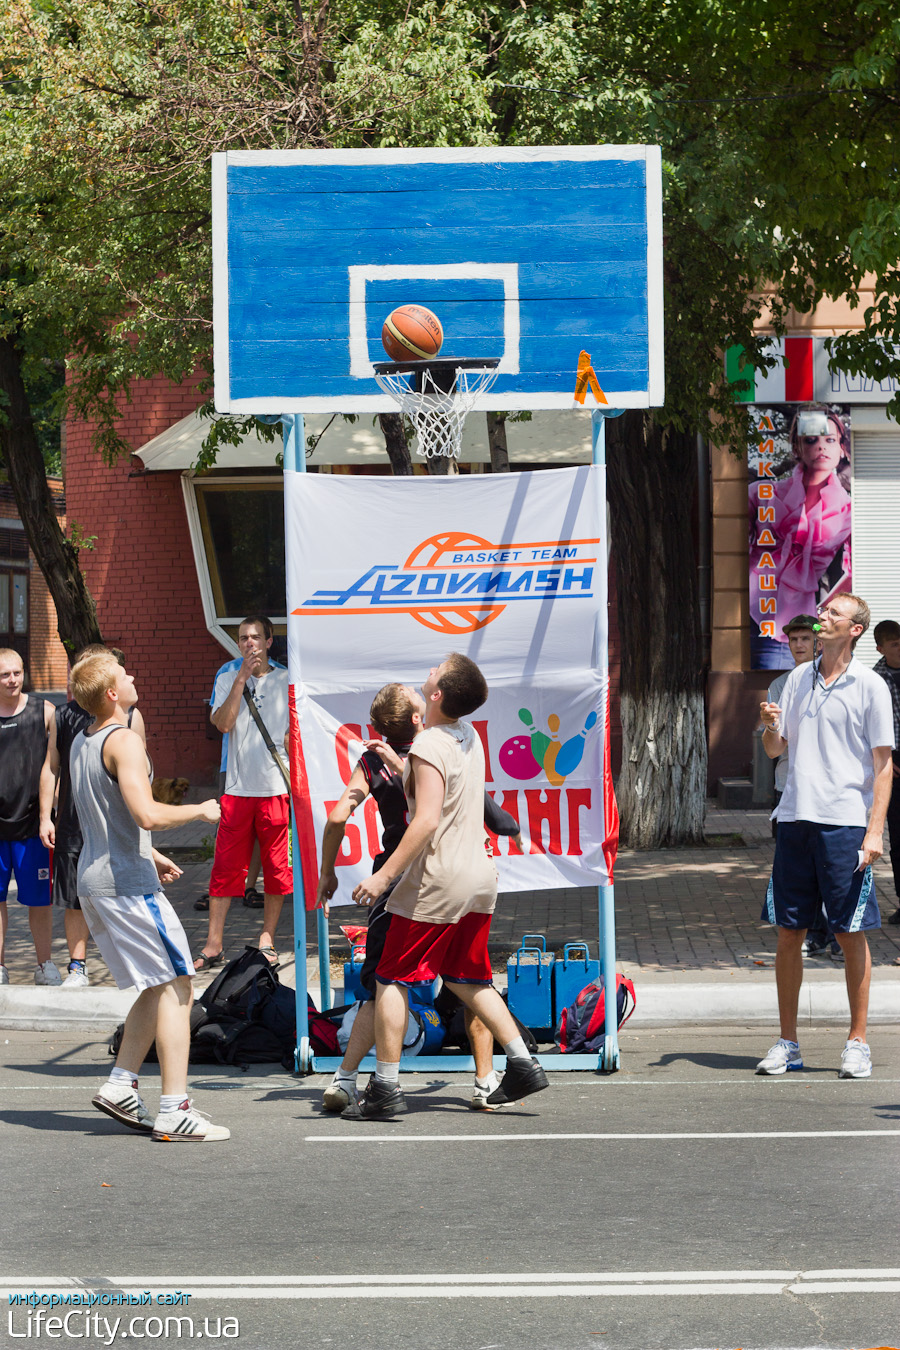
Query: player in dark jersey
<point>26,725</point>
<point>396,714</point>
<point>63,834</point>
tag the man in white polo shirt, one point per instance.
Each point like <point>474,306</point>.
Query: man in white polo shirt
<point>836,722</point>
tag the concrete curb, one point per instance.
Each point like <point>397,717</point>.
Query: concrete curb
<point>661,1003</point>
<point>682,1004</point>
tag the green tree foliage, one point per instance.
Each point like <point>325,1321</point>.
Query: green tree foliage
<point>777,125</point>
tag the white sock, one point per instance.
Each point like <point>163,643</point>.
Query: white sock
<point>517,1049</point>
<point>482,1082</point>
<point>346,1076</point>
<point>387,1071</point>
<point>171,1102</point>
<point>123,1078</point>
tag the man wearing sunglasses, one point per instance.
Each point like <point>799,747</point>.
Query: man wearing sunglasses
<point>836,723</point>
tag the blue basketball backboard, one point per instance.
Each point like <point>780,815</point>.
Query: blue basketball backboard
<point>529,254</point>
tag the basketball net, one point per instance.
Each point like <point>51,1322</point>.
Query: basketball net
<point>436,414</point>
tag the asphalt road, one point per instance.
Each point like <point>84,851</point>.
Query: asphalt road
<point>681,1203</point>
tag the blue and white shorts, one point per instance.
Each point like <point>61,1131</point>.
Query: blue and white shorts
<point>31,863</point>
<point>817,865</point>
<point>140,938</point>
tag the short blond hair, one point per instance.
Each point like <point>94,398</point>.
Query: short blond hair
<point>91,679</point>
<point>391,714</point>
<point>7,652</point>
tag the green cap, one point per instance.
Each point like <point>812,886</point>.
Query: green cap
<point>802,621</point>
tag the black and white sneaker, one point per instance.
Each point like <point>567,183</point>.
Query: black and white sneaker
<point>380,1101</point>
<point>187,1125</point>
<point>124,1104</point>
<point>520,1080</point>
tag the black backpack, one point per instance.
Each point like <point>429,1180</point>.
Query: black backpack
<point>246,1016</point>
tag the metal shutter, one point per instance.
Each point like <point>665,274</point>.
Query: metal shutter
<point>876,529</point>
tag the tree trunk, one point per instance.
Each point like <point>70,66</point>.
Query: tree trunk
<point>662,787</point>
<point>398,451</point>
<point>76,614</point>
<point>496,428</point>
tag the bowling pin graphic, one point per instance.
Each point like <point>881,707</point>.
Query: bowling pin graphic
<point>552,751</point>
<point>570,753</point>
<point>539,741</point>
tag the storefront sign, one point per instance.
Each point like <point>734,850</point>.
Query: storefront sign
<point>802,376</point>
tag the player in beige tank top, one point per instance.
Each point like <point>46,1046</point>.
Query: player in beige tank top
<point>443,903</point>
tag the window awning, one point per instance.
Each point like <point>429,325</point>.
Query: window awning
<point>549,438</point>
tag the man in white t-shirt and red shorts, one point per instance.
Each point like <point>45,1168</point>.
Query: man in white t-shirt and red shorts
<point>836,722</point>
<point>442,905</point>
<point>255,802</point>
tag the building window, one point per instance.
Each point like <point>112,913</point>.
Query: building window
<point>243,535</point>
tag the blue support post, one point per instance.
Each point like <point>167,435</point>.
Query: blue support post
<point>609,1057</point>
<point>295,462</point>
<point>324,960</point>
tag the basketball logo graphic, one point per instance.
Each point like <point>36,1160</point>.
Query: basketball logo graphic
<point>432,555</point>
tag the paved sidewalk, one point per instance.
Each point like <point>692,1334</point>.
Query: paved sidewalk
<point>681,914</point>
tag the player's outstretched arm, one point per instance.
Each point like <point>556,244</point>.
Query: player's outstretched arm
<point>353,795</point>
<point>429,797</point>
<point>126,758</point>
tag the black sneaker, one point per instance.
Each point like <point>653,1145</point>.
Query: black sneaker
<point>378,1102</point>
<point>895,917</point>
<point>520,1080</point>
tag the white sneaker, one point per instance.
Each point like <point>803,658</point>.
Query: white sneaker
<point>4,975</point>
<point>338,1095</point>
<point>480,1094</point>
<point>124,1104</point>
<point>187,1125</point>
<point>47,973</point>
<point>856,1060</point>
<point>783,1056</point>
<point>77,977</point>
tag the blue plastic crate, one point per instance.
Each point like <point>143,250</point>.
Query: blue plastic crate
<point>530,982</point>
<point>571,973</point>
<point>352,972</point>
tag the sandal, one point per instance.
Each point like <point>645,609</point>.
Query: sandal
<point>270,954</point>
<point>253,899</point>
<point>203,902</point>
<point>203,962</point>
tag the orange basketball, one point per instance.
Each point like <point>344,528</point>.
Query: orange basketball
<point>412,333</point>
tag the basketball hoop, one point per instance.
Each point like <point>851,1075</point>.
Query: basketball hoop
<point>437,396</point>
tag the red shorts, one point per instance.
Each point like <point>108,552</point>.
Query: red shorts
<point>245,819</point>
<point>416,953</point>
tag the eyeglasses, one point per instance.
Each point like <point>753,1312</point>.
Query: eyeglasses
<point>834,613</point>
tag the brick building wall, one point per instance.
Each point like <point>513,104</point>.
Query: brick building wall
<point>142,576</point>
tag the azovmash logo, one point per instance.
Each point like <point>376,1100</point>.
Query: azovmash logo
<point>457,583</point>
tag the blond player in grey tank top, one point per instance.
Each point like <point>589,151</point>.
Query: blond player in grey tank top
<point>138,933</point>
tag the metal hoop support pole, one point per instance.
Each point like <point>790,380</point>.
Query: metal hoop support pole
<point>608,1061</point>
<point>295,462</point>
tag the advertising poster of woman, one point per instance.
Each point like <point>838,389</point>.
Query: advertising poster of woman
<point>800,521</point>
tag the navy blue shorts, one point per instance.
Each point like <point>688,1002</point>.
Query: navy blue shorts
<point>817,865</point>
<point>31,863</point>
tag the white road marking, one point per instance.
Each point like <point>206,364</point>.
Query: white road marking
<point>506,1137</point>
<point>605,1284</point>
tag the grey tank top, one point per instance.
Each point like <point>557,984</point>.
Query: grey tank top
<point>116,857</point>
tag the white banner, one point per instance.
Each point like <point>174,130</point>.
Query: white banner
<point>388,575</point>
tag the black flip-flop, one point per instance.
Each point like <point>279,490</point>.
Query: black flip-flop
<point>207,962</point>
<point>253,899</point>
<point>202,903</point>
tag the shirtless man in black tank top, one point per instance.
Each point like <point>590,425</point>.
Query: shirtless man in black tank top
<point>26,726</point>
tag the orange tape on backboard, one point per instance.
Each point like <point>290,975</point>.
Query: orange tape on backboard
<point>585,379</point>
